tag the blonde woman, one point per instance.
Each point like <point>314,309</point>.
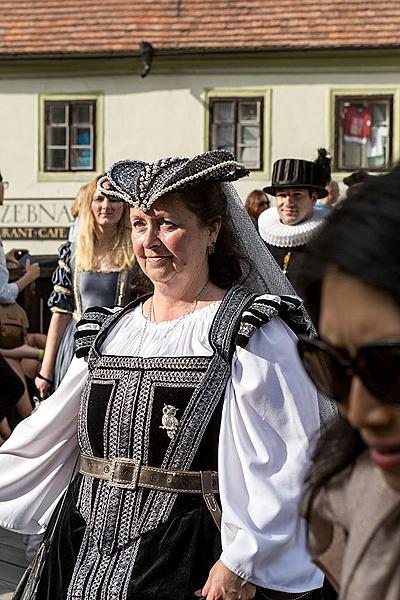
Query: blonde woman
<point>96,271</point>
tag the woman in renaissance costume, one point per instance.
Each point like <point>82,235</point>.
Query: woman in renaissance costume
<point>200,376</point>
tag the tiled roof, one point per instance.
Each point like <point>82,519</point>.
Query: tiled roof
<point>106,26</point>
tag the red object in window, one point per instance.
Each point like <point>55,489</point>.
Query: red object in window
<point>356,124</point>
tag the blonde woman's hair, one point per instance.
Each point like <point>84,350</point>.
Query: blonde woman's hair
<point>88,235</point>
<point>77,201</point>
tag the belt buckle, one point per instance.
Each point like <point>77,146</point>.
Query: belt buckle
<point>124,473</point>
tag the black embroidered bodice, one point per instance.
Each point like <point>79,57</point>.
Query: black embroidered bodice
<point>121,415</point>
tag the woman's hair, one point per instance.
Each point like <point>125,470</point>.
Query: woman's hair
<point>226,264</point>
<point>75,206</point>
<point>360,239</point>
<point>251,199</point>
<point>88,235</point>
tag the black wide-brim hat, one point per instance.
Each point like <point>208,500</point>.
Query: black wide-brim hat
<point>295,173</point>
<point>141,184</point>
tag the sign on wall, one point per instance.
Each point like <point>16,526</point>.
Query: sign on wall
<point>35,219</point>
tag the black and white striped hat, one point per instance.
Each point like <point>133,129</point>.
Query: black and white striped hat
<point>295,173</point>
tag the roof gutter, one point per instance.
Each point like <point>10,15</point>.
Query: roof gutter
<point>172,52</point>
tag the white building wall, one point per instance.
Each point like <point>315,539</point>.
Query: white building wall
<point>164,115</point>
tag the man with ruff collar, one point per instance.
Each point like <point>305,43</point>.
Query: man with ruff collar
<point>287,227</point>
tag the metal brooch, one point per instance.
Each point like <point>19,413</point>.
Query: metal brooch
<point>169,421</point>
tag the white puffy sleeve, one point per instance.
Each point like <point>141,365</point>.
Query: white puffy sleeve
<point>270,414</point>
<point>36,462</point>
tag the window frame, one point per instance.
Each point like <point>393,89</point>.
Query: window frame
<point>237,124</point>
<point>74,175</point>
<point>363,96</point>
<point>68,126</point>
<point>265,116</point>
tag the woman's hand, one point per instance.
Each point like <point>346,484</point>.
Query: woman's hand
<point>43,387</point>
<point>33,271</point>
<point>223,584</point>
<point>12,257</point>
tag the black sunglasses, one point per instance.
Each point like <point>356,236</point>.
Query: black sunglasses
<point>332,369</point>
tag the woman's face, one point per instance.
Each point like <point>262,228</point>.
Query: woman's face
<point>106,213</point>
<point>258,205</point>
<point>170,244</point>
<point>354,314</point>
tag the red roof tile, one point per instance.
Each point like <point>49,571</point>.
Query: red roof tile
<point>105,26</point>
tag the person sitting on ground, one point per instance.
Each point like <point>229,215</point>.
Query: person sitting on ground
<point>12,390</point>
<point>31,350</point>
<point>354,484</point>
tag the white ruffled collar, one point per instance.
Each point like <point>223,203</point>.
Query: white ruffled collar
<point>276,233</point>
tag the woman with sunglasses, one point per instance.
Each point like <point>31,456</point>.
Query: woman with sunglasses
<point>355,479</point>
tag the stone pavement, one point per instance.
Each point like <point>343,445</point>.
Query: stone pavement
<point>12,562</point>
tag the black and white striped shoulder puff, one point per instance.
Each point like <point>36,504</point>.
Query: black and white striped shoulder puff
<point>266,307</point>
<point>87,329</point>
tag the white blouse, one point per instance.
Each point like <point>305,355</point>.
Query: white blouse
<point>270,413</point>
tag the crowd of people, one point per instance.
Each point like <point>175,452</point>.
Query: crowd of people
<point>219,415</point>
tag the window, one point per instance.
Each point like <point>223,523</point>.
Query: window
<point>70,135</point>
<point>236,124</point>
<point>363,132</point>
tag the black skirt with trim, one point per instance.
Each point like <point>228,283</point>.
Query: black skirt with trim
<point>172,563</point>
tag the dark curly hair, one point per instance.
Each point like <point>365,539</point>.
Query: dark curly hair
<point>227,265</point>
<point>208,202</point>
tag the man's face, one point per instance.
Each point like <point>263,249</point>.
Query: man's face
<point>295,204</point>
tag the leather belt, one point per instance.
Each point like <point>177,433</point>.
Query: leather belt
<point>125,473</point>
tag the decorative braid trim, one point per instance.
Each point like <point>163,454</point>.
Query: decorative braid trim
<point>107,192</point>
<point>55,309</point>
<point>89,326</point>
<point>178,184</point>
<point>149,171</point>
<point>266,307</point>
<point>63,265</point>
<point>62,290</point>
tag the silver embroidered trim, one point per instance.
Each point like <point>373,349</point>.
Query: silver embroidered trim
<point>117,517</point>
